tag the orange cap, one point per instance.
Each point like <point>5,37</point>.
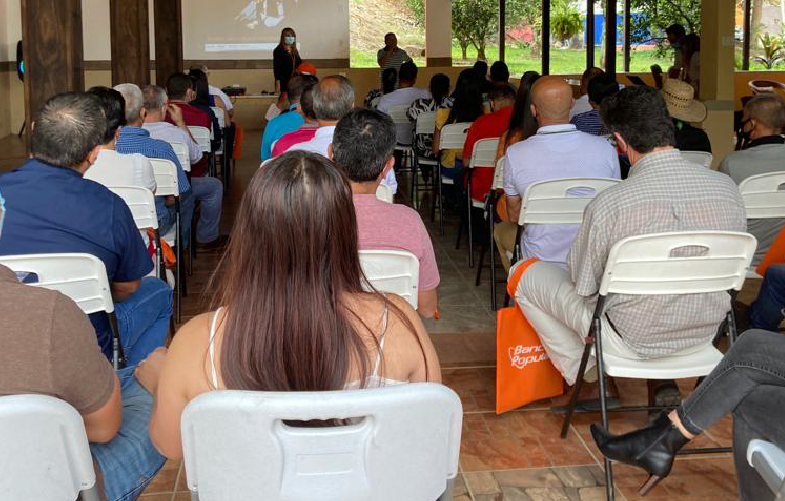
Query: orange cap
<point>307,68</point>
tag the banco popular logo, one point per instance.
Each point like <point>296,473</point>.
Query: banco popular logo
<point>521,356</point>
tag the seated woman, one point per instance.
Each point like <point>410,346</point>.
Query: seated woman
<point>440,99</point>
<point>389,83</point>
<point>749,383</point>
<point>291,312</point>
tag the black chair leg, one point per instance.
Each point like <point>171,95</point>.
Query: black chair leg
<point>575,391</point>
<point>492,257</point>
<point>603,392</point>
<point>480,264</point>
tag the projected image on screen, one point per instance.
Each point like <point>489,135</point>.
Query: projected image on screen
<point>251,29</point>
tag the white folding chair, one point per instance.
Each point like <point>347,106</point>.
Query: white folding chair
<point>219,115</point>
<point>769,461</point>
<point>401,443</point>
<point>483,155</point>
<point>425,124</point>
<point>452,137</point>
<point>81,277</point>
<point>141,201</point>
<point>703,158</point>
<point>183,156</point>
<point>396,272</point>
<point>203,137</point>
<point>384,193</point>
<point>764,198</point>
<point>649,265</point>
<point>44,455</point>
<point>490,245</point>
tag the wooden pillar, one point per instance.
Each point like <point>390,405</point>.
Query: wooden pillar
<point>168,39</point>
<point>589,33</point>
<point>610,37</point>
<point>54,56</point>
<point>546,37</point>
<point>130,33</point>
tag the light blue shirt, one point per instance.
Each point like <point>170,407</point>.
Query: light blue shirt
<point>284,123</point>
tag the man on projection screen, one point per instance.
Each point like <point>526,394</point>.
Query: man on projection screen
<point>254,15</point>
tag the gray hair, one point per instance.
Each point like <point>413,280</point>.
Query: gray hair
<point>333,97</point>
<point>154,97</point>
<point>768,109</point>
<point>134,101</point>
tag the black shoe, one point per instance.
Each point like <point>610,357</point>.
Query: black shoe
<point>218,243</point>
<point>651,448</point>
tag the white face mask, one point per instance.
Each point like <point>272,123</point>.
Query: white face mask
<point>2,212</point>
<point>289,40</point>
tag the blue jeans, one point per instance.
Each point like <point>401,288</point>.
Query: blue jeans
<point>766,312</point>
<point>210,192</point>
<point>129,461</point>
<point>166,216</point>
<point>143,319</point>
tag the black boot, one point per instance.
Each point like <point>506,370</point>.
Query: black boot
<point>652,448</point>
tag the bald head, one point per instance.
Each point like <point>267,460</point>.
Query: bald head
<point>551,100</point>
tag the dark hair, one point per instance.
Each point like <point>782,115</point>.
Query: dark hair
<point>67,128</point>
<point>177,85</point>
<point>768,109</point>
<point>114,109</point>
<point>522,122</point>
<point>284,32</point>
<point>481,68</point>
<point>297,85</point>
<point>676,29</point>
<point>306,101</point>
<point>363,142</point>
<point>640,116</point>
<point>201,86</point>
<point>468,105</point>
<point>408,72</point>
<point>499,72</point>
<point>389,80</point>
<point>602,86</point>
<point>590,73</point>
<point>286,279</point>
<point>440,88</point>
<point>502,91</point>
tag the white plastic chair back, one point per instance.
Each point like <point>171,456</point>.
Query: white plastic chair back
<point>396,272</point>
<point>219,114</point>
<point>81,277</point>
<point>764,195</point>
<point>562,200</point>
<point>453,136</point>
<point>141,201</point>
<point>703,158</point>
<point>498,175</point>
<point>202,137</point>
<point>398,114</point>
<point>165,172</point>
<point>426,123</point>
<point>183,156</point>
<point>402,444</point>
<point>44,455</point>
<point>384,193</point>
<point>769,461</point>
<point>484,153</point>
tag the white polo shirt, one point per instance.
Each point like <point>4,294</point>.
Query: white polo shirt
<point>117,169</point>
<point>556,151</point>
<point>581,106</point>
<point>405,96</point>
<point>215,91</point>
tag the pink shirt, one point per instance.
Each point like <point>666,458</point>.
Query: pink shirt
<point>384,226</point>
<point>305,133</point>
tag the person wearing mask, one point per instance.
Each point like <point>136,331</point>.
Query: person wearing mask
<point>440,99</point>
<point>288,121</point>
<point>691,61</point>
<point>308,129</point>
<point>600,87</point>
<point>389,82</point>
<point>286,58</point>
<point>763,151</point>
<point>675,33</point>
<point>685,110</point>
<point>405,95</point>
<point>391,56</point>
<point>581,105</point>
<point>291,312</point>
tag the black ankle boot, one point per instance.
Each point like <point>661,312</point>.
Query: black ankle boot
<point>652,448</point>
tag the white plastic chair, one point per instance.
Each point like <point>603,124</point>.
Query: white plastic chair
<point>764,198</point>
<point>183,156</point>
<point>483,155</point>
<point>202,137</point>
<point>425,124</point>
<point>384,193</point>
<point>141,201</point>
<point>402,443</point>
<point>703,158</point>
<point>396,272</point>
<point>452,137</point>
<point>44,455</point>
<point>769,461</point>
<point>647,265</point>
<point>81,277</point>
<point>219,115</point>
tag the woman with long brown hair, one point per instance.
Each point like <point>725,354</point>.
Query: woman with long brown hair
<point>286,59</point>
<point>290,311</point>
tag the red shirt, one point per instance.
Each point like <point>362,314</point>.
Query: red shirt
<point>193,117</point>
<point>487,126</point>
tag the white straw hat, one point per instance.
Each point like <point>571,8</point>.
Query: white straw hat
<point>682,106</point>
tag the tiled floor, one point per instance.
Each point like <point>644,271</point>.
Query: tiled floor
<point>517,456</point>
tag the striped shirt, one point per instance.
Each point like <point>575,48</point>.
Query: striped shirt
<point>396,59</point>
<point>138,140</point>
<point>663,193</point>
<point>590,123</point>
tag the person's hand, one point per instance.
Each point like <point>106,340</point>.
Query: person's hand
<point>169,200</point>
<point>176,113</point>
<point>149,370</point>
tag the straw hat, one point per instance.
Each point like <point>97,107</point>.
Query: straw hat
<point>681,105</point>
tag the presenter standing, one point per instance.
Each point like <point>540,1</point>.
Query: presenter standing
<point>285,59</point>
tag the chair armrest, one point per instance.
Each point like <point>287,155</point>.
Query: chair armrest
<point>769,461</point>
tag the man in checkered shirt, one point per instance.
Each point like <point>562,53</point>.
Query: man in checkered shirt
<point>663,193</point>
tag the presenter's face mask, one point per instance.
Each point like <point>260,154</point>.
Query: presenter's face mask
<point>289,40</point>
<point>2,212</point>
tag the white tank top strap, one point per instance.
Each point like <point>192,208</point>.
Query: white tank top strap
<point>381,342</point>
<point>213,372</point>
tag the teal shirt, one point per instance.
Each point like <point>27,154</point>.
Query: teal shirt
<point>284,123</point>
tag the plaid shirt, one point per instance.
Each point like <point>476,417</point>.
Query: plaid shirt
<point>663,193</point>
<point>138,140</point>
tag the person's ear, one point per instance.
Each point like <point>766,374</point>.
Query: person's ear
<point>389,165</point>
<point>330,152</point>
<point>533,109</point>
<point>623,147</point>
<point>117,133</point>
<point>143,114</point>
<point>93,155</point>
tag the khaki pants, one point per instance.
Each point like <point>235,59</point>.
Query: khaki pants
<point>504,233</point>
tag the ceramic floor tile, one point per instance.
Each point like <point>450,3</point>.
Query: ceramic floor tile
<point>165,480</point>
<point>476,387</point>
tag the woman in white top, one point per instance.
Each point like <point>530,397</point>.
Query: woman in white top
<point>291,313</point>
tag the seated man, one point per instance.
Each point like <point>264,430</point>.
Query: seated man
<point>663,193</point>
<point>52,209</point>
<point>47,347</point>
<point>112,168</point>
<point>291,119</point>
<point>179,87</point>
<point>405,94</point>
<point>768,310</point>
<point>581,105</point>
<point>600,87</point>
<point>363,147</point>
<point>764,121</point>
<point>557,150</point>
<point>134,139</point>
<point>307,131</point>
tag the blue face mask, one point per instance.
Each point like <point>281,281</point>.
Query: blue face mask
<point>289,40</point>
